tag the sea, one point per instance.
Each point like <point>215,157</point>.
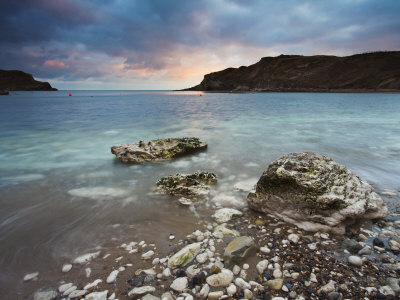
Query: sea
<point>62,192</point>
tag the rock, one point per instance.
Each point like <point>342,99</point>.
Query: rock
<point>265,250</point>
<point>88,271</point>
<point>202,258</point>
<point>204,291</point>
<point>148,255</point>
<point>352,246</point>
<point>295,275</point>
<point>150,297</point>
<point>167,296</point>
<point>113,275</point>
<point>69,291</point>
<point>77,294</point>
<point>394,284</point>
<point>293,238</point>
<point>97,296</point>
<point>31,276</point>
<point>157,150</point>
<point>215,269</point>
<point>327,288</point>
<point>261,266</point>
<point>247,294</point>
<point>221,230</point>
<point>355,260</point>
<point>195,184</point>
<point>64,287</point>
<point>394,245</point>
<point>387,290</point>
<point>277,273</point>
<point>184,256</point>
<point>292,294</point>
<point>241,283</point>
<point>45,294</point>
<point>239,249</point>
<point>224,278</point>
<point>334,296</point>
<point>226,214</point>
<point>315,193</point>
<point>180,284</point>
<point>275,284</point>
<point>15,80</point>
<point>246,185</point>
<point>365,251</point>
<point>138,291</point>
<point>91,285</point>
<point>231,289</point>
<point>186,202</point>
<point>83,259</point>
<point>215,295</point>
<point>66,268</point>
<point>378,242</point>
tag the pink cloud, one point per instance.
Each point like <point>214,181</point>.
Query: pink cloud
<point>56,64</point>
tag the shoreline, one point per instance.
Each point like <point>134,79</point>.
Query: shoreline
<point>322,91</point>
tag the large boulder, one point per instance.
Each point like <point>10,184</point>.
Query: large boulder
<point>195,184</point>
<point>315,193</point>
<point>157,150</point>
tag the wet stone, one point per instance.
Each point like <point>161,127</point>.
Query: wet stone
<point>352,246</point>
<point>239,249</point>
<point>378,242</point>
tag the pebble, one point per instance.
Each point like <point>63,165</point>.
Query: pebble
<point>141,291</point>
<point>334,296</point>
<point>66,268</point>
<point>202,258</point>
<point>112,277</point>
<point>236,270</point>
<point>70,290</point>
<point>284,288</point>
<point>192,271</point>
<point>275,284</point>
<point>85,258</point>
<point>88,271</point>
<point>64,287</point>
<point>45,294</point>
<point>224,215</point>
<point>293,294</point>
<point>312,246</point>
<point>148,254</point>
<point>221,279</point>
<point>355,260</point>
<point>246,267</point>
<point>277,273</point>
<point>295,275</point>
<point>247,294</point>
<point>261,266</point>
<point>204,291</point>
<point>240,283</point>
<point>91,285</point>
<point>179,284</point>
<point>167,272</point>
<point>77,294</point>
<point>215,295</point>
<point>293,238</point>
<point>231,289</point>
<point>265,250</point>
<point>31,276</point>
<point>98,296</point>
<point>155,261</point>
<point>327,288</point>
<point>387,290</point>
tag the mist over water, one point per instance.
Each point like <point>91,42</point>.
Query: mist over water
<point>62,192</point>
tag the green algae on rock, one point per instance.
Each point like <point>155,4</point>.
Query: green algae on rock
<point>195,184</point>
<point>184,256</point>
<point>315,193</point>
<point>157,150</point>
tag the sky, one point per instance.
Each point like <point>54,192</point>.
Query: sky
<point>172,44</point>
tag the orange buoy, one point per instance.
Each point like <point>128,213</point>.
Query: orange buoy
<point>69,94</point>
<point>201,95</point>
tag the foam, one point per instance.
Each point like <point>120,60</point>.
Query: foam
<point>98,193</point>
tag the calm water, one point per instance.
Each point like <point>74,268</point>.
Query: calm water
<point>62,193</point>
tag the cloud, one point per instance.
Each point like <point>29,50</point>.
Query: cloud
<point>173,43</point>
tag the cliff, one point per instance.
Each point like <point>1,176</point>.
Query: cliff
<point>21,81</point>
<point>369,72</point>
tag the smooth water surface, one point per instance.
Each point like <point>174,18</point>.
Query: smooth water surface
<point>62,192</point>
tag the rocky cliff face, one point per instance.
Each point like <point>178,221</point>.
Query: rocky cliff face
<point>21,81</point>
<point>378,71</point>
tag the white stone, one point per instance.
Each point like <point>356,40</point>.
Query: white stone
<point>85,258</point>
<point>31,276</point>
<point>215,295</point>
<point>293,238</point>
<point>242,284</point>
<point>295,275</point>
<point>189,297</point>
<point>167,272</point>
<point>226,214</point>
<point>202,258</point>
<point>97,296</point>
<point>64,287</point>
<point>113,275</point>
<point>261,266</point>
<point>236,270</point>
<point>327,288</point>
<point>70,290</point>
<point>277,273</point>
<point>88,271</point>
<point>141,291</point>
<point>355,260</point>
<point>155,261</point>
<point>121,269</point>
<point>312,246</point>
<point>224,278</point>
<point>66,268</point>
<point>265,250</point>
<point>284,288</point>
<point>248,294</point>
<point>77,293</point>
<point>192,271</point>
<point>231,289</point>
<point>184,256</point>
<point>179,284</point>
<point>148,254</point>
<point>92,285</point>
<point>204,291</point>
<point>246,267</point>
<point>112,297</point>
<point>387,290</point>
<point>313,278</point>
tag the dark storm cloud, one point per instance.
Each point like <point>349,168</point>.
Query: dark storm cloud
<point>75,40</point>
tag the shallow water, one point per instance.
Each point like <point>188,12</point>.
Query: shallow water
<point>62,193</point>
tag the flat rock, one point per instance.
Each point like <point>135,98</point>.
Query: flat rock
<point>315,193</point>
<point>221,230</point>
<point>184,256</point>
<point>141,291</point>
<point>239,249</point>
<point>157,150</point>
<point>223,215</point>
<point>97,296</point>
<point>195,184</point>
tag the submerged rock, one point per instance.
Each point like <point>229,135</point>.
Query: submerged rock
<point>195,184</point>
<point>315,193</point>
<point>157,150</point>
<point>184,256</point>
<point>239,249</point>
<point>45,294</point>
